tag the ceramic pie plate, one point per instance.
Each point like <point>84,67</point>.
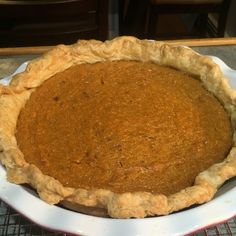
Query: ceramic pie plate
<point>27,203</point>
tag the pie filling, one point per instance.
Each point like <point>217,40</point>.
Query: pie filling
<point>124,126</point>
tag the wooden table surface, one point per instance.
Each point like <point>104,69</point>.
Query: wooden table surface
<point>187,42</point>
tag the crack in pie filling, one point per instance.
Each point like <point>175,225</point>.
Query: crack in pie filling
<point>128,128</point>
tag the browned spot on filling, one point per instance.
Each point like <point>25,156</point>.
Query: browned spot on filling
<point>123,126</point>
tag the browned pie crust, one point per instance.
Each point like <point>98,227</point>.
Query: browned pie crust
<point>118,204</point>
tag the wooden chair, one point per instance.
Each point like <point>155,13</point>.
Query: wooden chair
<point>202,7</point>
<point>48,22</point>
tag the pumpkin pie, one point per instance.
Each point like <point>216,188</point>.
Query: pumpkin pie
<point>125,128</point>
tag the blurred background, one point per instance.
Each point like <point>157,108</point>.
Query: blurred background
<point>50,22</point>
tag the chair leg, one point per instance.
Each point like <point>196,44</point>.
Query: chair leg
<point>221,24</point>
<point>146,27</point>
<point>151,23</point>
<point>223,18</point>
<point>203,24</point>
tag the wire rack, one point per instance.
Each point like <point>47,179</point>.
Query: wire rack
<point>12,224</point>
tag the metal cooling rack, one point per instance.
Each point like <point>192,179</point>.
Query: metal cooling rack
<point>226,229</point>
<point>12,224</point>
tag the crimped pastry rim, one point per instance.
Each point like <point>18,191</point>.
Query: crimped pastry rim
<point>126,205</point>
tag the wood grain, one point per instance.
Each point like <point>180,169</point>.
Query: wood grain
<point>187,42</point>
<point>203,42</point>
<point>24,50</point>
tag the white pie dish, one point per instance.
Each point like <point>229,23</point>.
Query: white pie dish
<point>27,203</point>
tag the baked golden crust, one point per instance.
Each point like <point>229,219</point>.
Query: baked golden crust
<point>125,205</point>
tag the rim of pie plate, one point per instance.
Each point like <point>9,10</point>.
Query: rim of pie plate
<point>231,97</point>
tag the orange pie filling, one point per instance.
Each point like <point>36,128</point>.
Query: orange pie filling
<point>124,126</point>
